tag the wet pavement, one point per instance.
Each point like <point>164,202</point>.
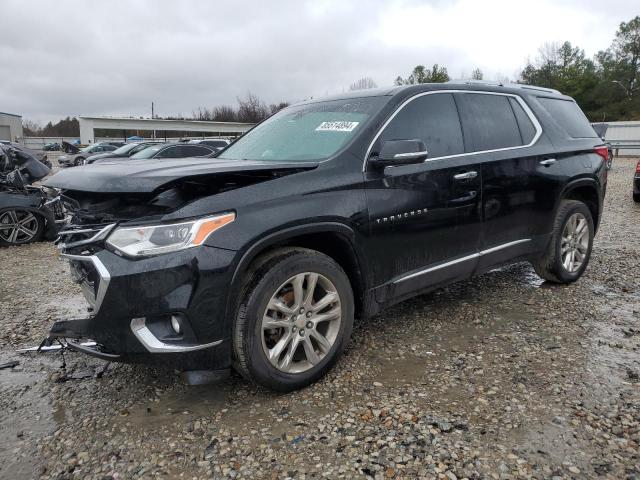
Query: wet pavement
<point>502,376</point>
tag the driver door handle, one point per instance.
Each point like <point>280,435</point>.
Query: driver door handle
<point>466,175</point>
<point>548,161</point>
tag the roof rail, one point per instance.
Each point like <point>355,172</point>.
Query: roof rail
<point>476,82</point>
<point>533,87</point>
<point>509,85</point>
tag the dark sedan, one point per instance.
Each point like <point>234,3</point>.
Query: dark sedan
<point>124,151</point>
<point>175,150</point>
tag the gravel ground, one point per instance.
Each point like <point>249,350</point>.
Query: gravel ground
<point>502,376</point>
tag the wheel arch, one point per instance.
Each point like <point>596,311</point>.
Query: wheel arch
<point>334,239</point>
<point>587,191</point>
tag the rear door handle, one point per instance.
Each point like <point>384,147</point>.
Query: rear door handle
<point>470,196</point>
<point>548,161</point>
<point>466,175</point>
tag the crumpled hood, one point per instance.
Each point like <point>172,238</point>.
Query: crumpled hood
<point>145,176</point>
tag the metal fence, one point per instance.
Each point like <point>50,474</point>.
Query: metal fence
<point>623,137</point>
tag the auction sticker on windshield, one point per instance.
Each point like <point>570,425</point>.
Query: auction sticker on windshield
<point>337,126</point>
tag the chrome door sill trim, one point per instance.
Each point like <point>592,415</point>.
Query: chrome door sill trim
<point>503,246</point>
<point>154,345</point>
<point>462,259</point>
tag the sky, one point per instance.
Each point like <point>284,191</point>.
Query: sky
<point>63,58</point>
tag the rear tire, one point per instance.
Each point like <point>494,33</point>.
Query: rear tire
<point>283,336</point>
<point>569,250</point>
<point>19,227</point>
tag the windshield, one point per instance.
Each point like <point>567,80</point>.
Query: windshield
<point>123,150</point>
<point>89,148</point>
<point>148,152</point>
<point>305,132</point>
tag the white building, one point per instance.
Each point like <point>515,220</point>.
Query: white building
<point>10,127</point>
<point>125,127</point>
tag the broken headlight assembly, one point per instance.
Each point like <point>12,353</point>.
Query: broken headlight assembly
<point>149,240</point>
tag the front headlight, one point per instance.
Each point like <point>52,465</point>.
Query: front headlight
<point>157,239</point>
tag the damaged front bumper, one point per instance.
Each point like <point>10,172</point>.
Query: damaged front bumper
<point>167,309</point>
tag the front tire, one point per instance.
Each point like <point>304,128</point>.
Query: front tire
<point>569,250</point>
<point>636,197</point>
<point>78,162</point>
<point>19,227</point>
<point>294,319</point>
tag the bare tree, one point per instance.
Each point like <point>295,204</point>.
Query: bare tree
<point>251,109</point>
<point>276,107</point>
<point>202,114</point>
<point>363,84</point>
<point>224,113</point>
<point>31,128</point>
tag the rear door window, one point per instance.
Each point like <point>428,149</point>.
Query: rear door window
<point>194,151</point>
<point>568,115</point>
<point>490,121</point>
<point>171,152</point>
<point>431,118</point>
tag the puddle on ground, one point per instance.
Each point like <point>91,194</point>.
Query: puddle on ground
<point>399,371</point>
<point>25,415</point>
<point>614,353</point>
<point>183,404</point>
<point>73,306</point>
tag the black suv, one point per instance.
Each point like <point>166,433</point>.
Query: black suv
<point>260,258</point>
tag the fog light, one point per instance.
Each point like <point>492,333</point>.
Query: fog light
<point>175,324</point>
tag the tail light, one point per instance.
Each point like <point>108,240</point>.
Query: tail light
<point>638,168</point>
<point>603,151</point>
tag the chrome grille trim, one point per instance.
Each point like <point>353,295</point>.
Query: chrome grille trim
<point>103,273</point>
<point>100,234</point>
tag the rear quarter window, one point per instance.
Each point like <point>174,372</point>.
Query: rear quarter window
<point>569,117</point>
<point>527,129</point>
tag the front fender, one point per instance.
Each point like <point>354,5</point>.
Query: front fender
<point>247,255</point>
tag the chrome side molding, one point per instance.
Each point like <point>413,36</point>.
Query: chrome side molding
<point>461,259</point>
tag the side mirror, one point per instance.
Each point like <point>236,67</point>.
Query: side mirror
<point>400,152</point>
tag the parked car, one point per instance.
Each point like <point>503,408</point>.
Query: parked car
<point>217,143</point>
<point>636,184</point>
<point>78,158</point>
<point>174,150</point>
<point>51,147</point>
<point>124,151</point>
<point>327,210</point>
<point>27,213</point>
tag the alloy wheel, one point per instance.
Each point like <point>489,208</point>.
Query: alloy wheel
<point>301,322</point>
<point>18,226</point>
<point>575,242</point>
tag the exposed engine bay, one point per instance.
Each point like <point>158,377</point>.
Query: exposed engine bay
<point>102,208</point>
